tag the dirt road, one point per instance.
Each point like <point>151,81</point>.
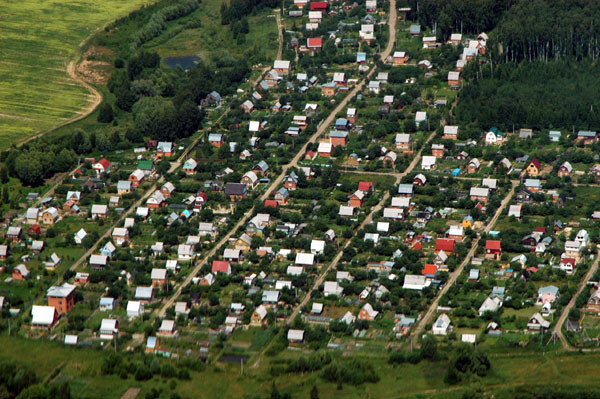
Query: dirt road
<point>432,310</point>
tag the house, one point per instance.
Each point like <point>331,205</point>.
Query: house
<point>586,137</point>
<point>533,168</point>
<point>494,136</point>
<point>467,222</point>
<point>565,169</point>
<point>282,66</point>
<point>305,259</point>
<point>490,305</point>
<point>356,199</point>
<point>346,211</point>
<point>554,136</point>
<point>400,58</point>
<point>479,194</point>
<point>232,255</point>
<point>405,190</point>
<point>250,180</point>
<point>314,44</point>
<point>429,271</point>
<point>101,167</point>
<point>213,99</point>
<point>99,211</point>
<point>442,325</point>
<point>295,336</point>
<point>3,252</point>
<point>374,86</point>
<point>339,78</point>
<point>98,262</point>
<point>43,316</point>
<point>290,181</point>
<point>450,132</point>
<point>493,249</point>
<point>74,196</point>
<point>515,210</point>
<point>428,162</point>
<point>207,280</point>
<point>258,317</point>
<point>332,288</point>
<point>167,189</point>
<point>32,215</point>
<point>120,235</point>
<point>164,149</point>
<point>325,149</point>
<point>473,276</point>
<point>444,244</point>
<point>137,177</point>
<point>124,187</point>
<point>235,191</point>
<point>567,265</point>
<point>547,294</point>
<point>108,250</point>
<point>271,297</point>
<point>50,215</point>
<point>367,313</point>
<point>106,304</point>
<point>415,282</point>
<point>593,303</point>
<point>216,139</point>
<point>317,247</point>
<point>156,200</point>
<point>109,329</point>
<point>158,277</point>
<point>185,252</point>
<point>533,185</point>
<point>146,166</point>
<point>144,294</point>
<point>62,298</point>
<point>189,167</point>
<point>537,323</point>
<point>415,30</point>
<point>20,272</point>
<point>281,196</point>
<point>473,165</point>
<point>361,58</point>
<point>221,266</point>
<point>338,137</point>
<point>328,89</point>
<point>318,6</point>
<point>438,150</point>
<point>454,79</point>
<point>371,5</point>
<point>402,141</point>
<point>247,106</point>
<point>167,328</point>
<point>456,232</point>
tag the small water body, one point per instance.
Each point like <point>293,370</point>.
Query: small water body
<point>184,62</point>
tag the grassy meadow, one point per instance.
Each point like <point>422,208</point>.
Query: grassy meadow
<point>39,39</point>
<point>81,367</point>
<point>211,39</point>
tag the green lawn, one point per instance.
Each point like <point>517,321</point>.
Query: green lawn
<point>39,39</point>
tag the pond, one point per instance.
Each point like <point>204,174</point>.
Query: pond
<point>184,62</point>
<point>233,358</point>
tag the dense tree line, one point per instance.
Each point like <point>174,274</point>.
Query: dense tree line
<point>547,29</point>
<point>158,21</point>
<point>466,16</point>
<point>531,94</point>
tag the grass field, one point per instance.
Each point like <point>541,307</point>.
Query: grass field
<point>39,39</point>
<point>212,39</point>
<point>425,380</point>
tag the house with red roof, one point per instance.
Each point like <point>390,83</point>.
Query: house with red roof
<point>221,266</point>
<point>318,6</point>
<point>314,44</point>
<point>272,203</point>
<point>365,186</point>
<point>444,244</point>
<point>493,249</point>
<point>534,168</point>
<point>429,271</point>
<point>417,246</point>
<point>102,166</point>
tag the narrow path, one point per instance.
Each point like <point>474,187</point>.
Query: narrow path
<point>366,221</point>
<point>279,34</point>
<point>431,311</point>
<point>293,163</point>
<point>565,313</point>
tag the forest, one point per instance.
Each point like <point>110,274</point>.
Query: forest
<point>548,29</point>
<point>536,95</point>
